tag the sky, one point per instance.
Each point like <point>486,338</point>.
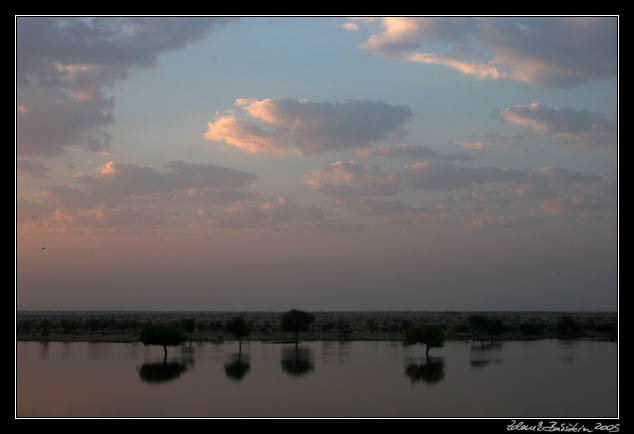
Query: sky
<point>320,163</point>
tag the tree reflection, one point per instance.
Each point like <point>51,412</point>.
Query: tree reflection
<point>483,354</point>
<point>297,361</point>
<point>162,372</point>
<point>238,367</point>
<point>44,350</point>
<point>430,372</point>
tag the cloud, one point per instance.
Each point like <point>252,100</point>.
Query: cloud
<point>475,146</point>
<point>445,176</point>
<point>31,168</point>
<point>380,191</point>
<point>350,27</point>
<point>480,70</point>
<point>63,65</point>
<point>414,152</point>
<point>29,211</point>
<point>580,128</point>
<point>280,212</point>
<point>245,135</point>
<point>117,184</point>
<point>560,176</point>
<point>346,179</point>
<point>54,120</point>
<point>498,222</point>
<point>596,195</point>
<point>126,196</point>
<point>305,127</point>
<point>553,206</point>
<point>546,51</point>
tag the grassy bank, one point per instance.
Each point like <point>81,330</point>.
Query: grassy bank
<point>265,326</point>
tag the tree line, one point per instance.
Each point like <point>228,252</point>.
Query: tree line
<point>324,326</point>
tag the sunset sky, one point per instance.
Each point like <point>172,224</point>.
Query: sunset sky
<point>319,163</point>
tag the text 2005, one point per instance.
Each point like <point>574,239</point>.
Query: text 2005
<point>607,428</point>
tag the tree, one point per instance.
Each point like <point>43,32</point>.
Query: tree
<point>479,325</point>
<point>532,328</point>
<point>567,327</point>
<point>45,327</point>
<point>430,335</point>
<point>344,328</point>
<point>296,321</point>
<point>161,334</point>
<point>495,328</point>
<point>189,324</point>
<point>238,327</point>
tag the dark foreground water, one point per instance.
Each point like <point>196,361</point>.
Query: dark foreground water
<point>546,378</point>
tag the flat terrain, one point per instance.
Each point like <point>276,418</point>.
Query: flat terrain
<point>116,326</point>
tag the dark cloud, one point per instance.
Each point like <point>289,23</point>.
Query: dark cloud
<point>546,51</point>
<point>279,213</point>
<point>445,176</point>
<point>52,120</point>
<point>31,168</point>
<point>581,128</point>
<point>125,183</point>
<point>345,179</point>
<point>416,152</point>
<point>382,208</point>
<point>309,127</point>
<point>29,211</point>
<point>363,191</point>
<point>63,64</point>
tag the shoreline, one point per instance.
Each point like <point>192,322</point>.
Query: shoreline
<point>327,326</point>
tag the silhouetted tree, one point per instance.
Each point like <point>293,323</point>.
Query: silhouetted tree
<point>479,325</point>
<point>567,327</point>
<point>495,328</point>
<point>296,321</point>
<point>430,335</point>
<point>343,328</point>
<point>161,334</point>
<point>611,329</point>
<point>531,328</point>
<point>70,325</point>
<point>189,324</point>
<point>238,327</point>
<point>45,327</point>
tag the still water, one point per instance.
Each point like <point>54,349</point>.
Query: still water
<point>546,378</point>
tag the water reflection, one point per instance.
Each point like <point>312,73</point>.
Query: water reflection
<point>43,350</point>
<point>238,366</point>
<point>67,349</point>
<point>485,353</point>
<point>431,371</point>
<point>338,351</point>
<point>568,350</point>
<point>375,379</point>
<point>187,350</point>
<point>96,351</point>
<point>297,361</point>
<point>162,372</point>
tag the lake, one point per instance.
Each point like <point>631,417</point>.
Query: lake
<point>513,379</point>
